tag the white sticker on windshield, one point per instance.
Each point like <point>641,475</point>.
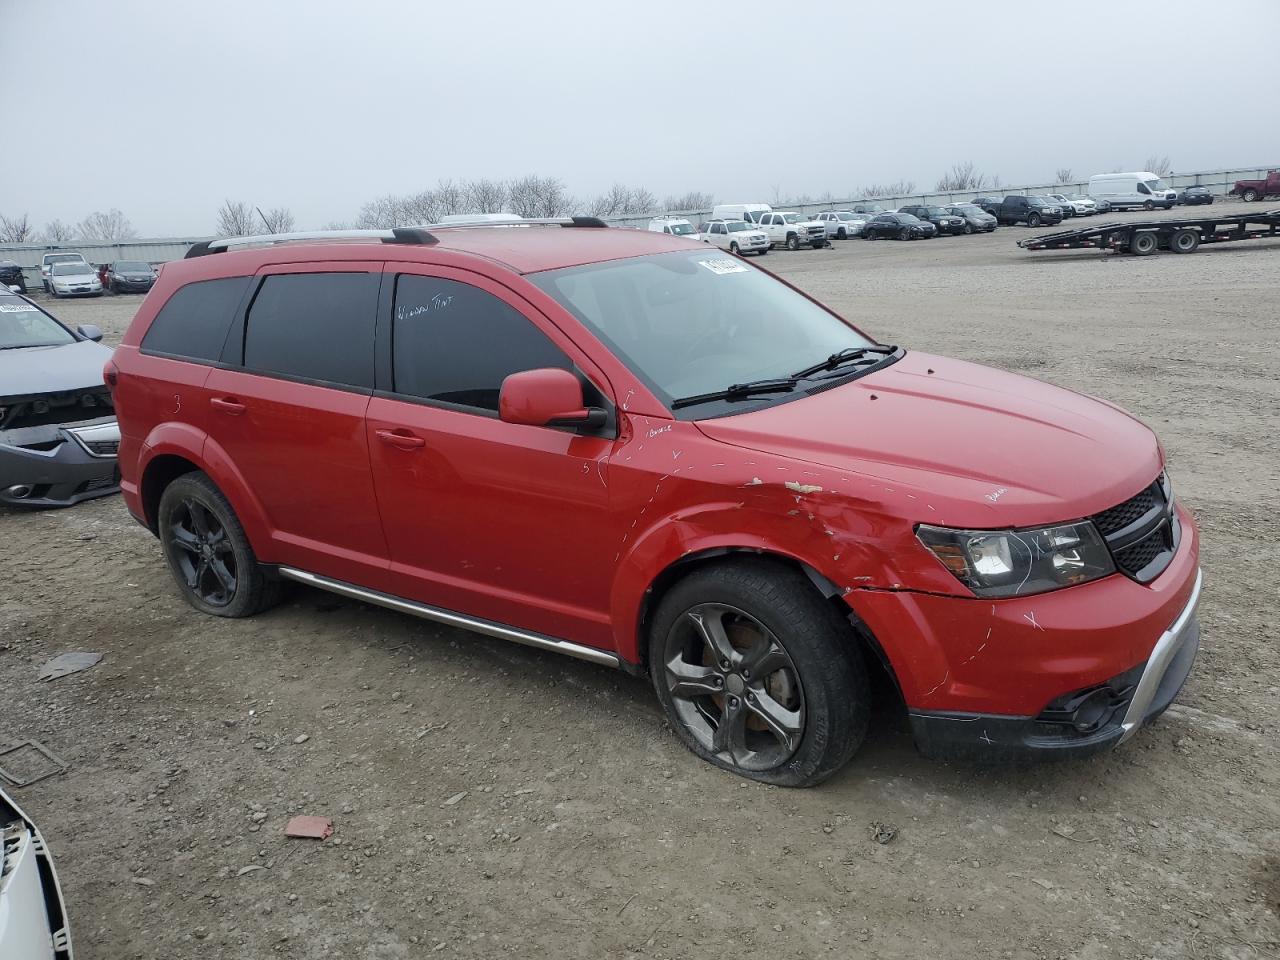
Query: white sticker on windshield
<point>723,265</point>
<point>17,308</point>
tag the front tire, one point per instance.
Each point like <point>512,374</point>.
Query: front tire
<point>1033,220</point>
<point>793,242</point>
<point>208,552</point>
<point>904,234</point>
<point>1250,195</point>
<point>758,674</point>
<point>842,234</point>
<point>733,248</point>
<point>1148,206</point>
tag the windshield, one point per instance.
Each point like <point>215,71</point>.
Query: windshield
<point>1155,185</point>
<point>936,211</point>
<point>845,215</point>
<point>966,210</point>
<point>137,266</point>
<point>689,323</point>
<point>792,217</point>
<point>24,325</point>
<point>64,258</point>
<point>737,225</point>
<point>76,269</point>
<point>908,218</point>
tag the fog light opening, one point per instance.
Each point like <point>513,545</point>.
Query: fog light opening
<point>19,491</point>
<point>1093,711</point>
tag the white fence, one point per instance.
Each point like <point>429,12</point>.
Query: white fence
<point>28,255</point>
<point>1219,183</point>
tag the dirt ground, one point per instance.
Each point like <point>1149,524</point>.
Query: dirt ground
<point>492,800</point>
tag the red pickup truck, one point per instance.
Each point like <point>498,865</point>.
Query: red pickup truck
<point>1258,189</point>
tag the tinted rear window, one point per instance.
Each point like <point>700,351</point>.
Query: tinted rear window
<point>193,323</point>
<point>314,326</point>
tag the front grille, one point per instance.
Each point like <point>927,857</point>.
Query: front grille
<point>1143,532</point>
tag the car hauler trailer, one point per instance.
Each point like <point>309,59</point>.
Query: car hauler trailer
<point>1143,237</point>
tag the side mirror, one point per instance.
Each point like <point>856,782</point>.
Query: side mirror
<point>549,397</point>
<point>89,332</point>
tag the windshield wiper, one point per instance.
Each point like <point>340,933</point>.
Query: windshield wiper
<point>738,391</point>
<point>842,357</point>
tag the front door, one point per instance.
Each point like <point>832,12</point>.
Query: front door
<point>290,420</point>
<point>502,521</point>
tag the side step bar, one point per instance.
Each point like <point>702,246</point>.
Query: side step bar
<point>450,617</point>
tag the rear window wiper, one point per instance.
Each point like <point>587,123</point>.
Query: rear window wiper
<point>738,391</point>
<point>842,357</point>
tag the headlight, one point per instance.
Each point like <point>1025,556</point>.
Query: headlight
<point>1008,563</point>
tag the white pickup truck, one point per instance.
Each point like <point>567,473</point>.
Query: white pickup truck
<point>790,229</point>
<point>736,236</point>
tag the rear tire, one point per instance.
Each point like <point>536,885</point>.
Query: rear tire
<point>1185,241</point>
<point>208,552</point>
<point>803,713</point>
<point>1143,243</point>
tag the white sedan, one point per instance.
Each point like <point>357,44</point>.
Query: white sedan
<point>74,280</point>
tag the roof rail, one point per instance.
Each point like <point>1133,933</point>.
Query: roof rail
<point>407,235</point>
<point>413,235</point>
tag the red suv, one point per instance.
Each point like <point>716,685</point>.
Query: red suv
<point>630,448</point>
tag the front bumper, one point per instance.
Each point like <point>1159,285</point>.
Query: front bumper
<point>132,286</point>
<point>65,472</point>
<point>1078,724</point>
<point>78,291</point>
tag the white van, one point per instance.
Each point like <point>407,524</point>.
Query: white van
<point>751,212</point>
<point>676,226</point>
<point>1141,189</point>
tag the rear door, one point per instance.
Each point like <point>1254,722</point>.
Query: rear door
<point>288,414</point>
<point>503,521</point>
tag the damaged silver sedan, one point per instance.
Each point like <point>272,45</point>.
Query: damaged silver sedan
<point>58,432</point>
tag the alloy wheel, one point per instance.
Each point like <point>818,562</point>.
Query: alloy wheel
<point>204,555</point>
<point>734,686</point>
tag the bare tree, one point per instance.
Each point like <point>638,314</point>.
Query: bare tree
<point>690,202</point>
<point>962,177</point>
<point>16,229</point>
<point>236,219</point>
<point>339,225</point>
<point>450,198</point>
<point>1159,165</point>
<point>537,196</point>
<point>485,195</point>
<point>111,225</point>
<point>1064,175</point>
<point>902,188</point>
<point>56,231</point>
<point>277,220</point>
<point>384,213</point>
<point>777,194</point>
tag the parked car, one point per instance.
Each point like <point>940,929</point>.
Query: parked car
<point>842,224</point>
<point>1033,211</point>
<point>940,217</point>
<point>736,236</point>
<point>1090,205</point>
<point>989,204</point>
<point>71,279</point>
<point>1126,190</point>
<point>1251,190</point>
<point>11,275</point>
<point>1069,207</point>
<point>898,226</point>
<point>33,914</point>
<point>976,219</point>
<point>679,428</point>
<point>58,433</point>
<point>133,276</point>
<point>49,259</point>
<point>792,230</point>
<point>1101,205</point>
<point>751,212</point>
<point>1193,196</point>
<point>870,209</point>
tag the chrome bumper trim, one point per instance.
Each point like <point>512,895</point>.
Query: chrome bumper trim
<point>1158,663</point>
<point>453,619</point>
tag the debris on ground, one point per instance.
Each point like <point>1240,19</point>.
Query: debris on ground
<point>67,664</point>
<point>883,833</point>
<point>52,764</point>
<point>309,827</point>
<point>454,799</point>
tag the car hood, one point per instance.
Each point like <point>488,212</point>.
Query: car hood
<point>31,370</point>
<point>75,278</point>
<point>979,446</point>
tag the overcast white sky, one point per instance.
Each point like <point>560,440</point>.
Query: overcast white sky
<point>164,108</point>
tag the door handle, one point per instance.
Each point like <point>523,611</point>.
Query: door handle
<point>227,405</point>
<point>402,439</point>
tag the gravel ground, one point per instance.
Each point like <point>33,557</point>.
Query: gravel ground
<point>492,800</point>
